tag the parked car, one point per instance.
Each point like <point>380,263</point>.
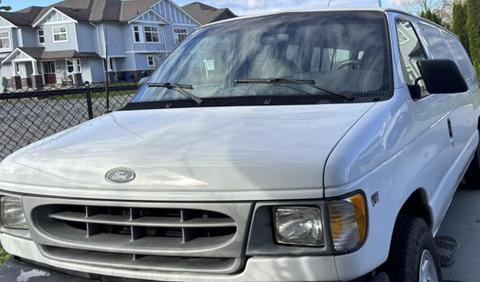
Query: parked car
<point>303,146</point>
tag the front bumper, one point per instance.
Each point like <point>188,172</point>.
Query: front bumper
<point>307,268</point>
<point>260,260</point>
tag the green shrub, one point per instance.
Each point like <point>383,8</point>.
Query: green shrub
<point>4,256</point>
<point>459,23</point>
<point>473,28</point>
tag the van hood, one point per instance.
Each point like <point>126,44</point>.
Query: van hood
<point>201,154</point>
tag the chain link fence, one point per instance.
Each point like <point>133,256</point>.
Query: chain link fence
<point>30,116</point>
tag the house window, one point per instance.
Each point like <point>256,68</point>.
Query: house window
<point>151,34</point>
<point>60,34</point>
<point>71,65</point>
<point>180,34</point>
<point>136,34</point>
<point>150,61</point>
<point>4,40</point>
<point>41,36</point>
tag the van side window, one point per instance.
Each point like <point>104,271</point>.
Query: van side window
<point>435,41</point>
<point>459,55</point>
<point>411,51</point>
<point>446,46</point>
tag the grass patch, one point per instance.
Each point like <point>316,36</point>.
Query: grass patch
<point>4,256</point>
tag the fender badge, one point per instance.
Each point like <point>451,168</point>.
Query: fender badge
<point>375,198</point>
<point>120,175</point>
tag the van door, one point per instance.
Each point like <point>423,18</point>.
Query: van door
<point>445,46</point>
<point>432,118</point>
<point>464,119</point>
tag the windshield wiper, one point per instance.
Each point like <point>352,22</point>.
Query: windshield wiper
<point>310,83</point>
<point>181,88</point>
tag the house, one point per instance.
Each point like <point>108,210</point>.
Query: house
<point>75,41</point>
<point>205,14</point>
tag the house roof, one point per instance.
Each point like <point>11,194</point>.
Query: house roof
<point>205,14</point>
<point>84,10</point>
<point>22,17</point>
<point>39,53</point>
<point>131,9</point>
<point>34,52</point>
<point>68,54</point>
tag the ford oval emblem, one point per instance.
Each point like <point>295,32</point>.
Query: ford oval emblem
<point>120,175</point>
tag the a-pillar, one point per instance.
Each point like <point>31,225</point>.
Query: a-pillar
<point>37,80</point>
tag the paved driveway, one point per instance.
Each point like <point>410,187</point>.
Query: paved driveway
<point>462,223</point>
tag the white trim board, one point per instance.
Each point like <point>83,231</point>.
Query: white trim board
<point>53,9</point>
<point>180,8</point>
<point>9,22</point>
<point>146,12</point>
<point>14,52</point>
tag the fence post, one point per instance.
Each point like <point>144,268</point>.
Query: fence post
<point>88,96</point>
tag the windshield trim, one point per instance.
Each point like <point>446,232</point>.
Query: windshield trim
<point>244,101</point>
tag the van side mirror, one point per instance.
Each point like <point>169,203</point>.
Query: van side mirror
<point>442,76</point>
<point>143,80</point>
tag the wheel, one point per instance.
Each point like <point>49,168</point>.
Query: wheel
<point>413,255</point>
<point>472,176</point>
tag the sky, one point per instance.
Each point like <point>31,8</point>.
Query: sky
<point>241,7</point>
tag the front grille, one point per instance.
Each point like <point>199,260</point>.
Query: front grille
<point>175,237</point>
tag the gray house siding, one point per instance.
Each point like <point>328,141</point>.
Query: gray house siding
<point>29,37</point>
<point>6,70</point>
<point>147,46</point>
<point>173,13</point>
<point>89,42</point>
<point>70,44</point>
<point>113,33</point>
<point>97,74</point>
<point>128,63</point>
<point>158,58</point>
<point>169,37</point>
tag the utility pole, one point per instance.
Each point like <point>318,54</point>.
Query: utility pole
<point>379,3</point>
<point>107,63</point>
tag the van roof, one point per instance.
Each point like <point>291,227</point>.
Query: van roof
<point>374,9</point>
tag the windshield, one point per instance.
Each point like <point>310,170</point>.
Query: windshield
<point>327,52</point>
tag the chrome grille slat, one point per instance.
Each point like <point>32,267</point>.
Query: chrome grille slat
<point>199,265</point>
<point>144,221</point>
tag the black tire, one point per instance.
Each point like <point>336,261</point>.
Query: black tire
<point>411,238</point>
<point>472,176</point>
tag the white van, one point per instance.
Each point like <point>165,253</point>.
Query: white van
<point>303,146</point>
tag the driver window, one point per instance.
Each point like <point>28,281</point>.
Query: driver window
<point>411,51</point>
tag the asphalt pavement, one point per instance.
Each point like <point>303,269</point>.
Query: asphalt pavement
<point>462,222</point>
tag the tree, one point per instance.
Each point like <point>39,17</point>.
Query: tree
<point>419,6</point>
<point>473,28</point>
<point>4,8</point>
<point>446,11</point>
<point>434,17</point>
<point>459,23</point>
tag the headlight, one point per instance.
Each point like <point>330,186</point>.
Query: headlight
<point>299,226</point>
<point>13,215</point>
<point>348,222</point>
